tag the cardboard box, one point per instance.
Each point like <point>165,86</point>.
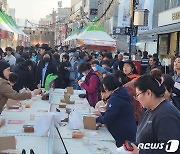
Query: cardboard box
<point>7,143</point>
<point>70,90</point>
<point>67,100</point>
<point>28,128</point>
<point>90,123</point>
<point>62,105</point>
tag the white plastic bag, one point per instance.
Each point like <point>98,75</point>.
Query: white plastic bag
<point>75,120</point>
<point>121,150</point>
<point>43,124</point>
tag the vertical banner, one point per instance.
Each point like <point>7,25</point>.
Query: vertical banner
<point>124,13</point>
<point>147,4</point>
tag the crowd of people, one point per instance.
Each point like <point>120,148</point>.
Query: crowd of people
<point>141,107</point>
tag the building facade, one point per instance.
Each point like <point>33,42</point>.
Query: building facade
<point>166,28</point>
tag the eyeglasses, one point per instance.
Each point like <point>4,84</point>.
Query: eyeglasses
<point>136,97</point>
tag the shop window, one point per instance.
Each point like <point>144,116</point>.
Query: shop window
<point>163,44</point>
<point>173,43</point>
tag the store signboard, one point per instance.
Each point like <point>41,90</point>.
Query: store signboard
<point>172,17</point>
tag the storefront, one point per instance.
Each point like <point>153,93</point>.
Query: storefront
<point>169,32</point>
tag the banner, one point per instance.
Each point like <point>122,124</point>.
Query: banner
<point>124,13</point>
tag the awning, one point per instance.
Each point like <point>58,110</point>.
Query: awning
<point>162,30</point>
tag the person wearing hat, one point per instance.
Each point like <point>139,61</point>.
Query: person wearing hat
<point>43,49</point>
<point>9,57</point>
<point>6,91</point>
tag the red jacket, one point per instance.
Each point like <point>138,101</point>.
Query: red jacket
<point>136,105</point>
<point>92,87</point>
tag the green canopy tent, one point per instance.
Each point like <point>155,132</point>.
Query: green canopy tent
<point>95,38</point>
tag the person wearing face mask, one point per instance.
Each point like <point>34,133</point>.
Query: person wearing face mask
<point>6,91</point>
<point>44,68</point>
<point>91,83</point>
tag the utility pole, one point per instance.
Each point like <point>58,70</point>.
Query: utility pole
<point>133,3</point>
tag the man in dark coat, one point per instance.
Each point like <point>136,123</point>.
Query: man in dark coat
<point>25,75</point>
<point>45,67</point>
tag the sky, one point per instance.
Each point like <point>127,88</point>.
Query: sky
<point>35,9</point>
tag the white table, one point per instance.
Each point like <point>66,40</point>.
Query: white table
<point>95,141</point>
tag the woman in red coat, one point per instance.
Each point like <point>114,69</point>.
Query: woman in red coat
<point>91,83</point>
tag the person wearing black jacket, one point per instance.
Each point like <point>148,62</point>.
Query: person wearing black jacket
<point>44,68</point>
<point>64,71</point>
<point>25,75</point>
<point>119,115</point>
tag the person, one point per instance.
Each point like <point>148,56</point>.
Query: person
<point>91,83</point>
<point>176,76</point>
<point>100,58</point>
<point>44,68</point>
<point>64,71</point>
<point>119,63</point>
<point>102,103</point>
<point>130,70</point>
<point>6,91</point>
<point>129,85</point>
<point>34,56</point>
<point>24,72</point>
<point>122,77</point>
<point>144,62</point>
<point>161,121</point>
<point>1,53</point>
<point>119,115</point>
<point>44,48</point>
<point>169,85</point>
<point>13,78</point>
<point>153,63</point>
<point>9,57</point>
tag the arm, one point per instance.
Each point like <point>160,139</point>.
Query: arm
<point>112,111</point>
<point>8,92</point>
<point>92,84</point>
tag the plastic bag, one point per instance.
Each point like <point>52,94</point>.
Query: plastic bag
<point>49,79</point>
<point>46,122</point>
<point>75,120</point>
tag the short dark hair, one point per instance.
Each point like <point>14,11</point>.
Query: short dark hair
<point>84,67</point>
<point>25,55</point>
<point>66,56</point>
<point>13,77</point>
<point>168,82</point>
<point>152,81</point>
<point>106,62</point>
<point>145,53</point>
<point>108,55</point>
<point>120,74</point>
<point>95,62</point>
<point>9,49</point>
<point>111,82</point>
<point>29,63</point>
<point>82,55</point>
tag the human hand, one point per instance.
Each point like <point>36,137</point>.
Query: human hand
<point>37,91</point>
<point>80,82</point>
<point>136,150</point>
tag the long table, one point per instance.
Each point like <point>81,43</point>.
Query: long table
<point>94,141</point>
